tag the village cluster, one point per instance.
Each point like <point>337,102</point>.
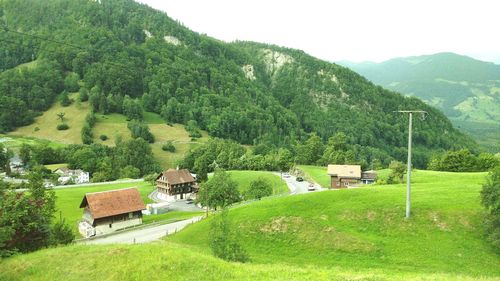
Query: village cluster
<point>108,211</point>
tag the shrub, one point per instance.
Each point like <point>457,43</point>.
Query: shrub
<point>130,172</point>
<point>490,198</point>
<point>169,146</point>
<point>103,137</point>
<point>223,241</point>
<point>62,127</point>
<point>61,233</point>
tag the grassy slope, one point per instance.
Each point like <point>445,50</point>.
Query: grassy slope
<point>47,122</point>
<point>365,229</point>
<point>317,174</point>
<point>115,124</point>
<point>243,178</point>
<point>170,261</point>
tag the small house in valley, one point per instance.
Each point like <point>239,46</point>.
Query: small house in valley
<point>72,176</point>
<point>343,176</point>
<point>176,184</point>
<point>108,211</point>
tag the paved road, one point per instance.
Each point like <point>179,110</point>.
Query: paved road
<point>297,187</point>
<point>179,205</point>
<point>143,235</point>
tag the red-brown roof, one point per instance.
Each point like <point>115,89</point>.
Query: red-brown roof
<point>113,202</point>
<point>177,176</point>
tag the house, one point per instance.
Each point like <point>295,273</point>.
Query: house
<point>74,176</point>
<point>108,211</point>
<point>343,176</point>
<point>176,184</point>
<point>368,177</point>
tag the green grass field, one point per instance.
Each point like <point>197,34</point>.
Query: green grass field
<point>15,142</point>
<point>350,234</point>
<point>244,178</point>
<point>364,229</point>
<point>317,174</point>
<point>47,122</point>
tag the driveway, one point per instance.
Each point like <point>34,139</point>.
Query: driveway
<point>142,235</point>
<point>297,187</point>
<point>179,205</point>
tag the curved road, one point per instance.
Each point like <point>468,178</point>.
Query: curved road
<point>143,235</point>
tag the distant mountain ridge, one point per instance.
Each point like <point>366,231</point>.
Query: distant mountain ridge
<point>465,89</point>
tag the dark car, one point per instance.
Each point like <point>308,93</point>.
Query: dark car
<point>299,179</point>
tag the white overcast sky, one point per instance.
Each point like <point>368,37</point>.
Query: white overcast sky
<point>355,30</point>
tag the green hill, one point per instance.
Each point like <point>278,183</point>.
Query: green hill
<point>354,234</point>
<point>249,92</point>
<point>365,228</point>
<point>465,89</point>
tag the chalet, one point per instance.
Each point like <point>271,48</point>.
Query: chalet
<point>343,176</point>
<point>176,184</point>
<point>72,176</point>
<point>108,211</point>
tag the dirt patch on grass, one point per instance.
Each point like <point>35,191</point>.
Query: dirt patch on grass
<point>315,234</point>
<point>438,221</point>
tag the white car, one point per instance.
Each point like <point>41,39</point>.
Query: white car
<point>311,187</point>
<point>286,175</point>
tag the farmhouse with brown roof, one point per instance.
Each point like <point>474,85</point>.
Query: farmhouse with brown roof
<point>176,184</point>
<point>109,211</point>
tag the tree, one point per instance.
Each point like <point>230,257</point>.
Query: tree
<point>25,153</point>
<point>60,115</point>
<point>219,191</point>
<point>398,170</point>
<point>5,155</point>
<point>65,100</point>
<point>26,217</point>
<point>130,172</point>
<point>310,151</point>
<point>258,188</point>
<point>61,233</point>
<point>490,198</point>
<point>223,241</point>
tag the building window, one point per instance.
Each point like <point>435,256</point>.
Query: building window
<point>346,183</point>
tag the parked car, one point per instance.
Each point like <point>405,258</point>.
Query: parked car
<point>311,187</point>
<point>299,179</point>
<point>286,175</point>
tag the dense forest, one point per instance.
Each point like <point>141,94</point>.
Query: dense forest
<point>126,56</point>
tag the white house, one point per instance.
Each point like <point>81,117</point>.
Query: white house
<point>76,176</point>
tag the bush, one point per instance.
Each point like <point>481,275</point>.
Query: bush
<point>65,100</point>
<point>490,198</point>
<point>169,146</point>
<point>130,172</point>
<point>258,188</point>
<point>62,127</point>
<point>103,137</point>
<point>223,242</point>
<point>61,233</point>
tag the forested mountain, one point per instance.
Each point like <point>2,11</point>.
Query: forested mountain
<point>465,89</point>
<point>249,92</point>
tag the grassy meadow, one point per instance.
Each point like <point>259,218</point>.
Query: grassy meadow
<point>364,229</point>
<point>44,126</point>
<point>244,178</point>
